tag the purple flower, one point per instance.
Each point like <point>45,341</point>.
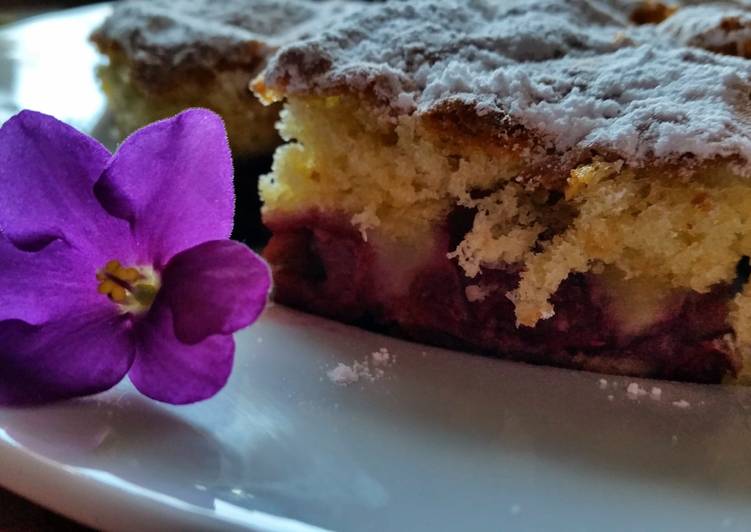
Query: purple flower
<point>120,264</point>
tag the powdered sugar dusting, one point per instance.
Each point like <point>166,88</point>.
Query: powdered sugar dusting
<point>574,73</point>
<point>726,29</point>
<point>170,33</point>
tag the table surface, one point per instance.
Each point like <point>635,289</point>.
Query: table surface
<point>18,514</point>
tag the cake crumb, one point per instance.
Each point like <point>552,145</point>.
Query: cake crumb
<point>656,393</point>
<point>681,404</point>
<point>610,397</point>
<point>603,384</point>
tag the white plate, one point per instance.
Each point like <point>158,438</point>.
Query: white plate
<point>440,441</point>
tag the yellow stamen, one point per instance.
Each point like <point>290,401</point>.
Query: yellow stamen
<point>111,266</point>
<point>106,286</point>
<point>118,294</point>
<point>129,275</point>
<point>133,289</point>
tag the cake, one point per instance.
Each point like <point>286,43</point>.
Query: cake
<point>558,182</point>
<point>168,55</point>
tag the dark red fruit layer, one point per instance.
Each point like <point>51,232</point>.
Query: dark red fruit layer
<point>321,264</point>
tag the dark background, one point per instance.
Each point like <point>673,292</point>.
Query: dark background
<point>13,9</point>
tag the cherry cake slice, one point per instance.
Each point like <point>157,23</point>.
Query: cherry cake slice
<point>547,181</point>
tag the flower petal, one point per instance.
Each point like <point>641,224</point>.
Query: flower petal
<point>51,283</point>
<point>47,176</point>
<point>217,287</point>
<point>170,371</point>
<point>172,180</point>
<point>82,355</point>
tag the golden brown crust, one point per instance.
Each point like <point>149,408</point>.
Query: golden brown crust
<point>651,12</point>
<point>154,78</point>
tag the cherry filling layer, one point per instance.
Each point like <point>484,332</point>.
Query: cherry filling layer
<point>323,265</point>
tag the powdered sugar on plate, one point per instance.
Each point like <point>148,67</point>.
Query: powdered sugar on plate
<point>683,404</point>
<point>344,374</point>
<point>635,391</point>
<point>370,368</point>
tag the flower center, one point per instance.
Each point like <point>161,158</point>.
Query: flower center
<point>133,289</point>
